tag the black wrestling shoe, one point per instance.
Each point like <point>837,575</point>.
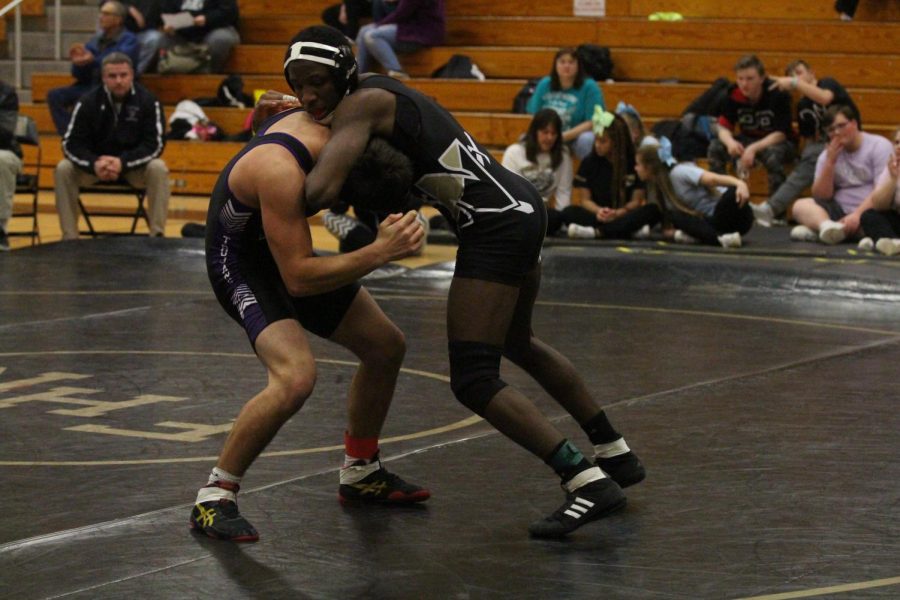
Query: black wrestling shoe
<point>590,502</point>
<point>221,520</point>
<point>625,469</point>
<point>378,487</point>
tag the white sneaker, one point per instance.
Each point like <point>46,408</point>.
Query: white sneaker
<point>683,238</point>
<point>888,246</point>
<point>866,244</point>
<point>642,234</point>
<point>730,240</point>
<point>802,233</point>
<point>831,233</point>
<point>763,214</point>
<point>583,232</point>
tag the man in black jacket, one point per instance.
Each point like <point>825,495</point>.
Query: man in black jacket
<point>10,157</point>
<point>116,134</point>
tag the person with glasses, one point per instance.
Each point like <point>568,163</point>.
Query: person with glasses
<point>86,59</point>
<point>845,177</point>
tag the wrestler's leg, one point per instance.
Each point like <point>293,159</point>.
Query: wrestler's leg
<point>379,344</point>
<point>284,350</point>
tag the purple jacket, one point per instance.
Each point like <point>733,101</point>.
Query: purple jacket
<point>418,21</point>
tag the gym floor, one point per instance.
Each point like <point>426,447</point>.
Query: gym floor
<point>758,386</point>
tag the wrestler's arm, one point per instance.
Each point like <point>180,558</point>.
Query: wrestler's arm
<point>359,116</point>
<point>272,175</point>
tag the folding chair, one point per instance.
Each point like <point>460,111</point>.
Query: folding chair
<point>116,187</point>
<point>28,183</point>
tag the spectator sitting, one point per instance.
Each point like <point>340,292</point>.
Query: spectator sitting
<point>215,24</point>
<point>10,157</point>
<point>144,21</point>
<point>572,94</point>
<point>846,9</point>
<point>86,59</point>
<point>608,198</point>
<point>345,16</point>
<point>763,116</point>
<point>702,206</point>
<point>845,176</point>
<point>639,135</point>
<point>882,222</point>
<point>116,134</point>
<point>413,24</point>
<point>543,159</point>
<point>818,95</point>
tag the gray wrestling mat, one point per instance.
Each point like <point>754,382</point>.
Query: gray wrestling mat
<point>758,387</point>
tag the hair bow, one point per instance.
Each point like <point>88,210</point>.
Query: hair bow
<point>624,107</point>
<point>665,152</point>
<point>601,119</point>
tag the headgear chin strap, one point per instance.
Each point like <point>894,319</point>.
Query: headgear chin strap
<point>339,58</point>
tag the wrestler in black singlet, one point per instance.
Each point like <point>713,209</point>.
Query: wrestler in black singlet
<point>499,217</point>
<point>241,268</point>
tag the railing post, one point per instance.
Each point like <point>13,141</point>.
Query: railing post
<point>18,46</point>
<point>57,28</point>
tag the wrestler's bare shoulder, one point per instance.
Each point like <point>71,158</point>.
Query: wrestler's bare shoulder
<point>300,125</point>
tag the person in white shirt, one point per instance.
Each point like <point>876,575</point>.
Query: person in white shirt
<point>881,223</point>
<point>542,158</point>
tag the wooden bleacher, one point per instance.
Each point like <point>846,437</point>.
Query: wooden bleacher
<point>512,40</point>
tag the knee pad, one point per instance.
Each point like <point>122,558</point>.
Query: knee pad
<point>475,374</point>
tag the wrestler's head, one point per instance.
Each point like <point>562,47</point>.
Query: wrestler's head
<point>380,179</point>
<point>320,67</point>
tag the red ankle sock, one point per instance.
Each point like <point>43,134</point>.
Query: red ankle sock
<point>365,448</point>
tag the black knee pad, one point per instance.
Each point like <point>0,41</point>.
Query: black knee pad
<point>475,374</point>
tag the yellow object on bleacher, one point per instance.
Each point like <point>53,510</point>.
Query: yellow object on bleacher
<point>666,16</point>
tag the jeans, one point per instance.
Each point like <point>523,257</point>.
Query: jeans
<point>59,101</point>
<point>800,178</point>
<point>149,42</point>
<point>379,41</point>
<point>773,158</point>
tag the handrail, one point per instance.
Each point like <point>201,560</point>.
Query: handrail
<point>10,6</point>
<point>17,52</point>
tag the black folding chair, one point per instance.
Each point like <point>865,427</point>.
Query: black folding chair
<point>28,182</point>
<point>121,187</point>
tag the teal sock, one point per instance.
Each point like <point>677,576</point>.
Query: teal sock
<point>567,461</point>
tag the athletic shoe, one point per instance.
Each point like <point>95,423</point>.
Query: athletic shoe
<point>378,486</point>
<point>587,503</point>
<point>888,246</point>
<point>642,234</point>
<point>730,240</point>
<point>866,244</point>
<point>681,237</point>
<point>831,233</point>
<point>802,233</point>
<point>763,214</point>
<point>625,469</point>
<point>221,520</point>
<point>4,241</point>
<point>582,232</point>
